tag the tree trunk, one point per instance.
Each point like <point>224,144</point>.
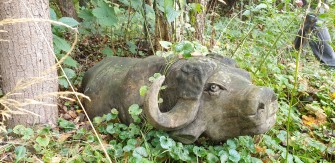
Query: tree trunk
<point>67,8</point>
<point>163,30</point>
<point>201,22</point>
<point>26,55</point>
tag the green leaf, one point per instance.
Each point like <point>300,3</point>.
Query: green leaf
<point>260,6</point>
<point>61,44</point>
<point>143,90</point>
<point>97,120</point>
<point>135,109</point>
<point>105,14</point>
<point>185,48</point>
<point>196,7</point>
<point>166,142</point>
<point>53,15</point>
<point>43,141</point>
<point>140,152</point>
<point>234,155</point>
<point>67,125</point>
<point>128,148</point>
<point>171,14</point>
<point>69,21</point>
<point>110,128</point>
<point>114,112</point>
<point>19,129</point>
<point>107,51</point>
<point>132,47</point>
<point>165,44</point>
<point>20,152</point>
<point>212,158</point>
<point>199,151</point>
<point>70,73</point>
<point>223,156</point>
<point>256,160</point>
<point>63,82</point>
<point>86,14</point>
<point>69,61</point>
<point>231,144</point>
<point>27,133</point>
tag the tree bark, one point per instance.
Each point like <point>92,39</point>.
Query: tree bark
<point>163,30</point>
<point>67,8</point>
<point>201,22</point>
<point>26,55</point>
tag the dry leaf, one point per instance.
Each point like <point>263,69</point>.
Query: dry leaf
<point>260,149</point>
<point>332,96</point>
<point>72,113</point>
<point>63,137</point>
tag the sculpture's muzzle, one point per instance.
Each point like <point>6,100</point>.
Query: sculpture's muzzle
<point>259,112</point>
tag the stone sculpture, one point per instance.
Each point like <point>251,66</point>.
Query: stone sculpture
<point>204,95</point>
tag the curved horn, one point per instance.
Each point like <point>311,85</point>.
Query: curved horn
<point>182,114</point>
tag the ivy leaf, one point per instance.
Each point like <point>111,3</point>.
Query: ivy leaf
<point>69,21</point>
<point>43,141</point>
<point>27,133</point>
<point>20,152</point>
<point>199,151</point>
<point>166,142</point>
<point>97,120</point>
<point>105,14</point>
<point>135,109</point>
<point>165,44</point>
<point>110,128</point>
<point>140,152</point>
<point>212,158</point>
<point>234,155</point>
<point>223,156</point>
<point>185,48</point>
<point>231,144</point>
<point>143,90</point>
<point>128,148</point>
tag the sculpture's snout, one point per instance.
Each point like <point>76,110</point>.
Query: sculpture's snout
<point>261,102</point>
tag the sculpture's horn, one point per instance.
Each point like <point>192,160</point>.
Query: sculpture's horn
<point>182,114</point>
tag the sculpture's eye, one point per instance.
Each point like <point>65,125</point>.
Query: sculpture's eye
<point>214,89</point>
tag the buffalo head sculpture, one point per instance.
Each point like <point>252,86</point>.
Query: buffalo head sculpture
<point>204,95</point>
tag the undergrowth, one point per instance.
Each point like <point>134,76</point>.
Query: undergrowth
<point>259,38</point>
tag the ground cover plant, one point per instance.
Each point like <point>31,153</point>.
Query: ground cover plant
<point>258,36</point>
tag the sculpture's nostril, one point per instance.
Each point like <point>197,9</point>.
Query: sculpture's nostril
<point>261,106</point>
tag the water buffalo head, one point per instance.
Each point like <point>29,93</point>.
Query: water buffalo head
<point>211,96</point>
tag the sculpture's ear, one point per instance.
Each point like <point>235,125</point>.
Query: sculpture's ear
<point>224,60</point>
<point>192,77</point>
<point>230,62</point>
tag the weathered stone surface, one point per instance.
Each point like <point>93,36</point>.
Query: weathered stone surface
<point>204,95</point>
